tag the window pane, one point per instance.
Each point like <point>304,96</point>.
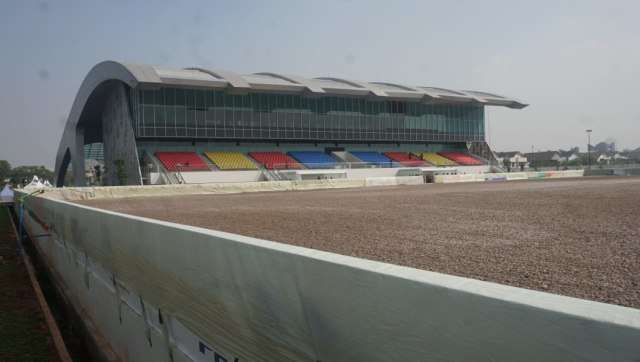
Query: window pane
<point>158,97</point>
<point>169,97</point>
<point>147,97</point>
<point>180,97</point>
<point>200,95</point>
<point>191,98</point>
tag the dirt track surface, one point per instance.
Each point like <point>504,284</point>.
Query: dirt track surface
<point>576,237</point>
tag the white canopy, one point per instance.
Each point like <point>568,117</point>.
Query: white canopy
<point>6,194</point>
<point>34,184</point>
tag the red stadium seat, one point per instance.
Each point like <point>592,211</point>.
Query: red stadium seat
<point>407,159</point>
<point>275,160</point>
<point>184,161</point>
<point>461,158</point>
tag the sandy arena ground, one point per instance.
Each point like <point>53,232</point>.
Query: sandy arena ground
<point>576,237</point>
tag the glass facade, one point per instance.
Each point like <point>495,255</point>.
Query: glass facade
<point>198,113</point>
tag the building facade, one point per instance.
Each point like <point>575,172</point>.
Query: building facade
<point>200,113</point>
<point>123,106</point>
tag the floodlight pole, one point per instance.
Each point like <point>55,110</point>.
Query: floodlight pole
<point>531,162</point>
<point>589,146</point>
<point>20,217</point>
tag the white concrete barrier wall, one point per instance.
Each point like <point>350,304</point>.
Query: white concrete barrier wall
<point>473,169</point>
<point>118,316</point>
<point>410,180</point>
<point>364,173</point>
<point>517,176</point>
<point>508,176</point>
<point>203,177</point>
<point>394,181</point>
<point>84,193</point>
<point>264,301</point>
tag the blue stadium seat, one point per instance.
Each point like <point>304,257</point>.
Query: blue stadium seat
<point>375,158</point>
<point>314,159</point>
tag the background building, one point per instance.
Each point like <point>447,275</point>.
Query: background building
<point>515,160</point>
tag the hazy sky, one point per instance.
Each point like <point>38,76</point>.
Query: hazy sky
<point>577,63</point>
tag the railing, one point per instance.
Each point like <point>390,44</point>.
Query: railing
<point>342,165</point>
<point>271,175</point>
<point>179,176</point>
<point>279,175</point>
<point>165,177</point>
<point>152,166</point>
<point>479,158</point>
<point>594,166</point>
<point>617,165</point>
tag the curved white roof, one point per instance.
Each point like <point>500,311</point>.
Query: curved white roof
<point>285,83</point>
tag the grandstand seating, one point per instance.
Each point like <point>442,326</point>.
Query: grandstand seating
<point>231,160</point>
<point>461,158</point>
<point>435,159</point>
<point>314,159</point>
<point>406,159</point>
<point>275,160</point>
<point>374,158</point>
<point>186,161</point>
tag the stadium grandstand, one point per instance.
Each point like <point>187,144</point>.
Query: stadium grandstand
<point>158,125</point>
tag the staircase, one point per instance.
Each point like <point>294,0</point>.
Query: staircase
<point>483,152</point>
<point>347,158</point>
<point>272,175</point>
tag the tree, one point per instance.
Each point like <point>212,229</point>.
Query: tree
<point>121,173</point>
<point>27,172</point>
<point>96,174</point>
<point>68,179</point>
<point>506,162</point>
<point>5,170</point>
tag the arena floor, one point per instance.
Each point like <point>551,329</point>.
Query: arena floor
<point>576,237</point>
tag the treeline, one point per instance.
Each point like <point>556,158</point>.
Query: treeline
<point>19,174</point>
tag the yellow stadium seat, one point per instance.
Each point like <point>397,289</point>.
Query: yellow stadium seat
<point>231,161</point>
<point>435,159</point>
